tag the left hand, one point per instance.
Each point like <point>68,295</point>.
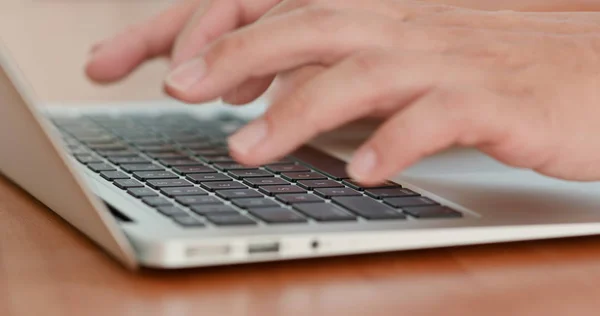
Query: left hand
<point>523,88</point>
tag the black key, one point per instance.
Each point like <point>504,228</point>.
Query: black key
<point>188,221</point>
<point>277,215</point>
<point>388,193</point>
<point>278,168</point>
<point>149,175</point>
<point>432,212</point>
<point>299,198</point>
<point>211,152</point>
<point>147,141</point>
<point>167,155</point>
<point>128,183</point>
<point>87,159</point>
<point>156,201</point>
<point>198,145</point>
<point>114,154</point>
<point>156,184</point>
<point>108,147</point>
<point>213,209</point>
<point>222,185</point>
<point>128,160</point>
<point>197,200</point>
<point>324,212</point>
<point>409,201</point>
<point>331,192</point>
<point>113,175</point>
<point>172,211</point>
<point>368,208</point>
<point>255,182</point>
<point>314,184</point>
<point>357,186</point>
<point>238,194</point>
<point>179,162</point>
<point>254,173</point>
<point>142,167</point>
<point>281,189</point>
<point>231,166</point>
<point>185,170</point>
<point>297,176</point>
<point>157,148</point>
<point>217,159</point>
<point>322,162</point>
<point>255,203</point>
<point>99,167</point>
<point>230,219</point>
<point>207,177</point>
<point>171,192</point>
<point>141,192</point>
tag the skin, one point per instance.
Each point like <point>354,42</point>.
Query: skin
<point>519,86</point>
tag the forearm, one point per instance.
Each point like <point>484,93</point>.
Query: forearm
<point>527,5</point>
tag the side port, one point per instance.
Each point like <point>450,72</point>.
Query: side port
<point>262,248</point>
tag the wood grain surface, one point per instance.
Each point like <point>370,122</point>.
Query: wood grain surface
<point>47,268</point>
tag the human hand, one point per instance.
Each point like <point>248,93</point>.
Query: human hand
<point>449,76</point>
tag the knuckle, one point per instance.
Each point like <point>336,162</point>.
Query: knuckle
<point>228,46</point>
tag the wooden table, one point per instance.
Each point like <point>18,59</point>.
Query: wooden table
<point>47,268</point>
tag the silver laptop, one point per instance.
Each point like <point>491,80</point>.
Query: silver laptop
<point>154,186</point>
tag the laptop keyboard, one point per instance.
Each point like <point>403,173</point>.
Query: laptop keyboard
<point>180,167</point>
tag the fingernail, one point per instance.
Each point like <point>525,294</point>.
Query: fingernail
<point>363,164</point>
<point>187,75</point>
<point>248,137</point>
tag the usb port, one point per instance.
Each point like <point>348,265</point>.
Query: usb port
<point>263,248</point>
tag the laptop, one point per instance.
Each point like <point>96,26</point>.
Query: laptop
<point>154,186</point>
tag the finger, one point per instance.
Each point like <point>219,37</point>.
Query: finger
<point>115,58</point>
<point>440,119</point>
<point>213,19</point>
<point>248,91</point>
<point>287,82</point>
<point>283,43</point>
<point>395,9</point>
<point>346,92</point>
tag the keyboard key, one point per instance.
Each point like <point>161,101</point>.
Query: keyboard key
<point>277,168</point>
<point>254,173</point>
<point>128,183</point>
<point>217,159</point>
<point>156,201</point>
<point>141,167</point>
<point>331,192</point>
<point>409,201</point>
<point>156,184</point>
<point>213,209</point>
<point>116,154</point>
<point>313,184</point>
<point>179,162</point>
<point>128,160</point>
<point>255,182</point>
<point>185,170</point>
<point>281,189</point>
<point>357,186</point>
<point>171,211</point>
<point>277,215</point>
<point>162,148</point>
<point>222,185</point>
<point>167,155</point>
<point>368,208</point>
<point>238,194</point>
<point>87,159</point>
<point>432,212</point>
<point>324,212</point>
<point>197,200</point>
<point>171,192</point>
<point>322,162</point>
<point>108,147</point>
<point>299,198</point>
<point>113,175</point>
<point>141,192</point>
<point>388,193</point>
<point>230,219</point>
<point>208,177</point>
<point>188,221</point>
<point>99,167</point>
<point>231,166</point>
<point>149,175</point>
<point>211,152</point>
<point>255,203</point>
<point>297,176</point>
